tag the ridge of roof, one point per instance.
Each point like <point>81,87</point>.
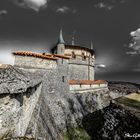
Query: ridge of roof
<point>32,54</point>
<point>75,82</point>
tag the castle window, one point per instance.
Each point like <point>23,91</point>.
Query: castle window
<point>62,60</point>
<point>83,56</point>
<point>73,55</point>
<point>61,50</point>
<point>63,79</point>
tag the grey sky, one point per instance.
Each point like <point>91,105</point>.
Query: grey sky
<point>34,25</point>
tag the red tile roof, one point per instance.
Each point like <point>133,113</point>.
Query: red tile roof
<point>35,55</point>
<point>76,82</point>
<point>48,54</point>
<point>44,55</point>
<point>61,56</point>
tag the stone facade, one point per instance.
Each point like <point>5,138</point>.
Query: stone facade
<point>87,87</point>
<point>34,62</point>
<point>81,70</point>
<point>81,62</point>
<point>71,62</point>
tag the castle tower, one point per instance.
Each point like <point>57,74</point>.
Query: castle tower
<point>73,39</point>
<point>61,44</point>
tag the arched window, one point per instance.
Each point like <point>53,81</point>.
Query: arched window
<point>73,54</point>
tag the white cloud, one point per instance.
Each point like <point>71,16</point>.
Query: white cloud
<point>100,66</point>
<point>3,12</point>
<point>104,6</point>
<point>33,4</point>
<point>65,10</point>
<point>135,45</point>
<point>6,57</point>
<point>131,53</point>
<point>109,4</point>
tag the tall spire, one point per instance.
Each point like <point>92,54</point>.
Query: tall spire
<point>73,41</point>
<point>91,45</point>
<point>73,38</point>
<point>61,39</point>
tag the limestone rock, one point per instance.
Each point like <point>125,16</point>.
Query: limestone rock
<point>13,80</point>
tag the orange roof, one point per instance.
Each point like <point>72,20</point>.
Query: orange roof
<point>35,55</point>
<point>75,82</point>
<point>48,54</point>
<point>61,56</point>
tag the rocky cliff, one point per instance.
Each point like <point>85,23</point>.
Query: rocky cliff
<point>36,105</point>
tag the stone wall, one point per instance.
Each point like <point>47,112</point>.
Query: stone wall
<point>60,49</point>
<point>82,66</point>
<point>44,109</point>
<point>19,92</point>
<point>63,73</point>
<point>87,87</point>
<point>80,70</point>
<point>78,51</point>
<point>34,62</point>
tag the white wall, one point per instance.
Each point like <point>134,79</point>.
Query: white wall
<point>87,86</point>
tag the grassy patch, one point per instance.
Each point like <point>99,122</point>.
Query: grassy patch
<point>76,134</point>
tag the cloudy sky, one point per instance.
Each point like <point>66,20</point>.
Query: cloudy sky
<point>112,25</point>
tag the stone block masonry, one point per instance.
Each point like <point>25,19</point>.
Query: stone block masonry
<point>34,62</point>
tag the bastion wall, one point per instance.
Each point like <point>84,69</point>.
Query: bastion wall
<point>34,62</point>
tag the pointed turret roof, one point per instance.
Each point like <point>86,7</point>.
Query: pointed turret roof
<point>61,39</point>
<point>91,45</point>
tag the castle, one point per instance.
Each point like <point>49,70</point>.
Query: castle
<point>75,64</point>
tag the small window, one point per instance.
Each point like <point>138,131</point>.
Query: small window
<point>83,56</point>
<point>73,54</point>
<point>63,79</point>
<point>61,50</point>
<point>62,60</point>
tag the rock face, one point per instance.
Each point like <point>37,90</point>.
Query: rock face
<point>112,123</point>
<point>37,104</point>
<point>16,102</point>
<point>15,81</point>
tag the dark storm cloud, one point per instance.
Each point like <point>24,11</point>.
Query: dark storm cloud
<point>65,9</point>
<point>9,46</point>
<point>33,4</point>
<point>104,5</point>
<point>108,25</point>
<point>108,4</point>
<point>3,12</point>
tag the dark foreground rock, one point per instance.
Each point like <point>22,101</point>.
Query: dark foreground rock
<point>112,123</point>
